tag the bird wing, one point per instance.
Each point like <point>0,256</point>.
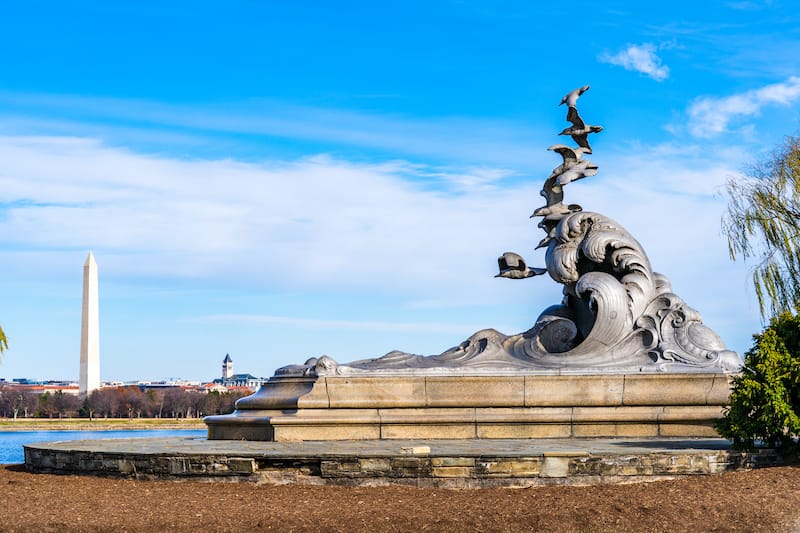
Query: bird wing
<point>544,242</point>
<point>511,260</point>
<point>551,191</point>
<point>575,118</point>
<point>568,177</point>
<point>583,141</point>
<point>575,174</point>
<point>566,152</point>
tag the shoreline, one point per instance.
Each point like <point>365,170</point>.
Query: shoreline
<point>97,424</point>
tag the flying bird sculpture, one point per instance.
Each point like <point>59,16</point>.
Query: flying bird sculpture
<point>572,168</point>
<point>552,192</point>
<point>513,266</point>
<point>579,131</point>
<point>556,211</point>
<point>569,156</point>
<point>580,170</point>
<point>571,98</point>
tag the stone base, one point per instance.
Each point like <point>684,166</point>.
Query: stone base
<point>516,406</point>
<point>469,463</point>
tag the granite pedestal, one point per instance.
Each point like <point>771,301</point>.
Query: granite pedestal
<point>477,407</point>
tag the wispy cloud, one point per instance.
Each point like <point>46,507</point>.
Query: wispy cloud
<point>123,121</point>
<point>638,58</point>
<point>710,116</point>
<point>316,222</point>
<point>353,325</point>
<point>313,222</point>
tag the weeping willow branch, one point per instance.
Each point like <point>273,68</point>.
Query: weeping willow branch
<point>763,225</point>
<point>3,342</point>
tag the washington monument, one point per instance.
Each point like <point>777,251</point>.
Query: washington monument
<point>90,330</point>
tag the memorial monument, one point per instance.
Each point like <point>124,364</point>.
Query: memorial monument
<point>89,378</point>
<point>620,355</point>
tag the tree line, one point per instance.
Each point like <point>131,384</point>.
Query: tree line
<point>116,402</point>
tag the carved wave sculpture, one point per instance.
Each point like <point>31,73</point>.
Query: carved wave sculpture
<point>617,315</point>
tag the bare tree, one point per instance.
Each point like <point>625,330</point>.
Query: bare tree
<point>65,404</point>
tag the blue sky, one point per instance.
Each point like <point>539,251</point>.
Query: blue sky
<point>281,180</point>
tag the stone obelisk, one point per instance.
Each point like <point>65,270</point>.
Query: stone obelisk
<point>90,330</point>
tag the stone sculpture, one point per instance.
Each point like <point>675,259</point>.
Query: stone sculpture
<point>617,314</point>
<point>620,356</point>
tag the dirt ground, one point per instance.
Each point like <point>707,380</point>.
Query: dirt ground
<point>760,500</point>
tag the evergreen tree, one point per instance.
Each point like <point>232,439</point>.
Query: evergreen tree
<point>765,399</point>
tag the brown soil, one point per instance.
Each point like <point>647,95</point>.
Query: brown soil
<point>759,500</point>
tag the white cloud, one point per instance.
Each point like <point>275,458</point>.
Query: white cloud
<point>639,58</point>
<point>353,325</point>
<point>315,221</point>
<point>709,116</point>
<point>137,122</point>
<point>321,224</point>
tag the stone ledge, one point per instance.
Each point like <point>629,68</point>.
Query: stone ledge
<point>451,463</point>
<point>467,423</point>
<point>477,406</point>
<point>518,390</point>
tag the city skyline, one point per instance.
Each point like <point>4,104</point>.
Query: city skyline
<point>279,182</point>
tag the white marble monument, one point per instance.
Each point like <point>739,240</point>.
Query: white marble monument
<point>90,330</point>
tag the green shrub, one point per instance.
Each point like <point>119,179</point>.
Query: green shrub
<point>765,399</point>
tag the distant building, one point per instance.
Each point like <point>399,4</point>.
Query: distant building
<point>227,367</point>
<point>232,381</point>
<point>43,387</point>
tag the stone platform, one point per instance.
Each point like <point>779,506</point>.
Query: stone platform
<point>461,463</point>
<point>508,405</point>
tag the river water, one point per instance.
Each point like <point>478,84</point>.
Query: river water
<point>11,442</point>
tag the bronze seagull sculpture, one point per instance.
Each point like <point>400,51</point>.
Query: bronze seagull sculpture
<point>556,211</point>
<point>573,168</point>
<point>579,131</point>
<point>580,170</point>
<point>513,266</point>
<point>569,156</point>
<point>571,98</point>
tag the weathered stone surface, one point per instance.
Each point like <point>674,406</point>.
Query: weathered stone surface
<point>625,406</point>
<point>475,391</point>
<point>415,450</point>
<point>615,430</point>
<point>428,431</point>
<point>555,467</point>
<point>365,392</point>
<point>668,389</point>
<point>242,465</point>
<point>316,431</point>
<point>587,390</point>
<point>453,461</point>
<point>452,471</point>
<point>517,430</point>
<point>501,462</point>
